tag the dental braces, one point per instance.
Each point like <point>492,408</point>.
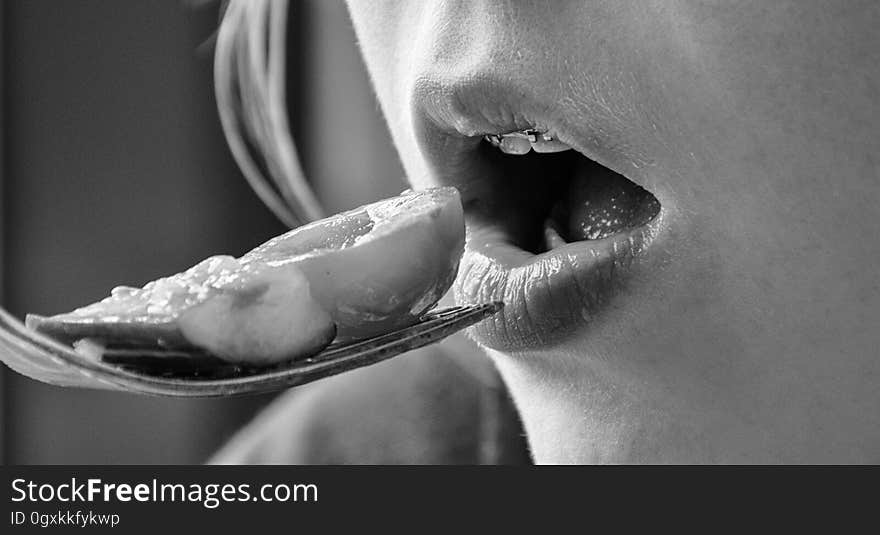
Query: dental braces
<point>530,134</point>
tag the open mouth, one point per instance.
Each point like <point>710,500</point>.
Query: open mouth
<point>554,241</point>
<point>551,199</point>
<point>554,235</point>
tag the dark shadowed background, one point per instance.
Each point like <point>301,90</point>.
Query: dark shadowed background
<point>115,171</point>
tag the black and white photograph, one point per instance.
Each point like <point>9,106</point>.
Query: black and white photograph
<point>438,232</point>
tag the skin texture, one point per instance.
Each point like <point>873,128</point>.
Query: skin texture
<point>752,334</point>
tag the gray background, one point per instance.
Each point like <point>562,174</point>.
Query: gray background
<point>115,171</point>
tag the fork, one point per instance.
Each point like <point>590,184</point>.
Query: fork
<point>154,370</point>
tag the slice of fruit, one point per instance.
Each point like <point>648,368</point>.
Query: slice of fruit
<point>239,312</point>
<point>381,266</point>
<point>355,274</point>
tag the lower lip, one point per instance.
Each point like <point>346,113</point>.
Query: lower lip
<point>548,296</point>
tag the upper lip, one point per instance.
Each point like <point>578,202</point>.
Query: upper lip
<point>548,295</point>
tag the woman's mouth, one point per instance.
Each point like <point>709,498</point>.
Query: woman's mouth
<point>551,233</point>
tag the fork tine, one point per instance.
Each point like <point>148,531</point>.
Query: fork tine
<point>44,359</point>
<point>426,323</point>
<point>431,327</point>
<point>351,357</point>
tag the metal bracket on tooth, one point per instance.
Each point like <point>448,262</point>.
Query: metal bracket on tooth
<point>531,134</point>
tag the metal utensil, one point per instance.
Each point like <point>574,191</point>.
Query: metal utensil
<point>183,373</point>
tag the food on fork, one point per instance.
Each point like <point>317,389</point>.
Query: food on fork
<point>353,275</point>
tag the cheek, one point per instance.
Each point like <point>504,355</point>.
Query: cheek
<point>386,32</point>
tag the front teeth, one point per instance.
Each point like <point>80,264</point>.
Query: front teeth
<point>514,145</point>
<point>524,141</point>
<point>551,145</point>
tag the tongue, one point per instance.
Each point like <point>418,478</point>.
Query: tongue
<point>600,203</point>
